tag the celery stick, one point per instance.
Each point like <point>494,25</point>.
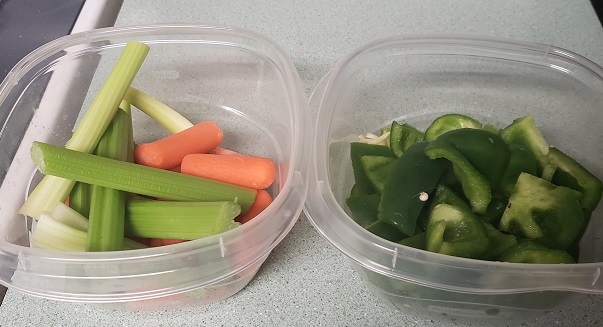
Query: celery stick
<point>79,198</point>
<point>125,106</point>
<point>160,112</point>
<point>68,216</point>
<point>130,177</point>
<point>108,205</point>
<point>179,220</point>
<point>53,234</point>
<point>90,129</point>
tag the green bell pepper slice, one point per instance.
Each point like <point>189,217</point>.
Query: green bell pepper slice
<point>417,241</point>
<point>542,211</point>
<point>357,150</point>
<point>386,231</point>
<point>449,122</point>
<point>456,231</point>
<point>376,169</point>
<point>569,173</point>
<point>523,131</point>
<point>534,252</point>
<point>363,208</point>
<point>402,136</point>
<point>412,175</point>
<point>499,242</point>
<point>479,159</point>
<point>521,161</point>
<point>495,209</point>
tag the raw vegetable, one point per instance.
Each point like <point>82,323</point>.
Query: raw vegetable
<point>168,152</point>
<point>53,234</point>
<point>357,151</point>
<point>501,195</point>
<point>455,230</point>
<point>261,202</point>
<point>449,122</point>
<point>134,178</point>
<point>79,198</point>
<point>68,216</point>
<point>167,117</point>
<point>402,136</point>
<point>533,252</point>
<point>570,173</point>
<point>377,169</point>
<point>54,189</point>
<point>179,220</point>
<point>540,210</point>
<point>478,157</point>
<point>523,132</point>
<point>107,205</point>
<point>247,171</point>
<point>411,174</point>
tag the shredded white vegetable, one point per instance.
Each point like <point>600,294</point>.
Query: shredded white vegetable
<point>371,138</point>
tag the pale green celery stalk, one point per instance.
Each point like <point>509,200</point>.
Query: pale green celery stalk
<point>167,117</point>
<point>79,198</point>
<point>54,234</point>
<point>125,106</point>
<point>91,127</point>
<point>179,220</point>
<point>69,216</point>
<point>134,178</point>
<point>108,205</point>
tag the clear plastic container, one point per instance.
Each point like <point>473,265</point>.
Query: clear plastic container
<point>240,79</point>
<point>415,79</point>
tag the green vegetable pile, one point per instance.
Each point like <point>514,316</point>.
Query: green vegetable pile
<point>470,190</point>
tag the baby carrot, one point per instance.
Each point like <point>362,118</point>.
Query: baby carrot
<point>247,171</point>
<point>261,202</point>
<point>168,152</point>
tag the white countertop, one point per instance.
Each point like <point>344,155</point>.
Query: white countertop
<point>306,281</point>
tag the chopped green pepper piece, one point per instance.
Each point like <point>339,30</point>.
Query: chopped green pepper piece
<point>364,208</point>
<point>523,131</point>
<point>499,242</point>
<point>456,231</point>
<point>534,252</point>
<point>385,231</point>
<point>403,136</point>
<point>449,122</point>
<point>411,175</point>
<point>417,241</point>
<point>478,157</point>
<point>495,210</point>
<point>579,179</point>
<point>377,170</point>
<point>542,211</point>
<point>521,161</point>
<point>357,151</point>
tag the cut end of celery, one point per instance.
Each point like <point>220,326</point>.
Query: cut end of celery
<point>36,156</point>
<point>229,212</point>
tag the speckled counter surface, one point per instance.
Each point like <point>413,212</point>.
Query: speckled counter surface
<point>306,281</point>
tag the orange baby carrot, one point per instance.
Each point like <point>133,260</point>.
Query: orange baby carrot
<point>261,202</point>
<point>247,171</point>
<point>168,152</point>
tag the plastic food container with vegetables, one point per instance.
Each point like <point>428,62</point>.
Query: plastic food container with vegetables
<point>462,175</point>
<point>149,167</point>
